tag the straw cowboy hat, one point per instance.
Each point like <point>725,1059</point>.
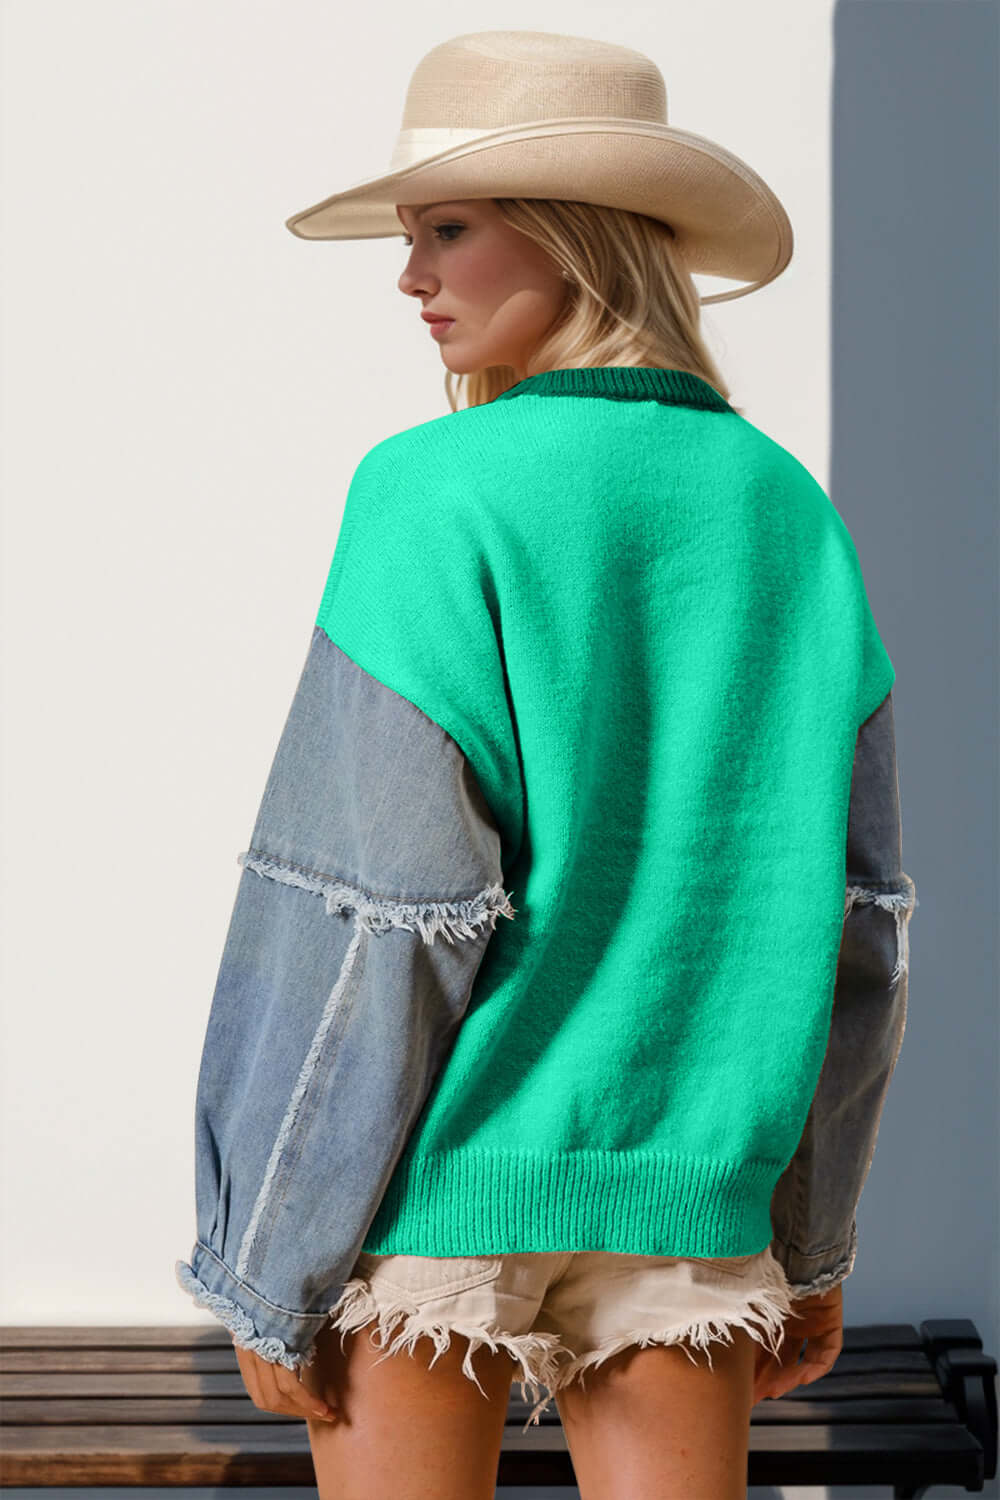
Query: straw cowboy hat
<point>534,114</point>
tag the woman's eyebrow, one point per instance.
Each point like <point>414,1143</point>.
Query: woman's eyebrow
<point>429,207</point>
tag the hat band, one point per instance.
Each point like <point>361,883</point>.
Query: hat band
<point>413,145</point>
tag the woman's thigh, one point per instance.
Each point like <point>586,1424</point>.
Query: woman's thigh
<point>416,1422</point>
<point>658,1401</point>
<point>648,1423</point>
<point>404,1430</point>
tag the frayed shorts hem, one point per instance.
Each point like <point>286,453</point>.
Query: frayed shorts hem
<point>543,1358</point>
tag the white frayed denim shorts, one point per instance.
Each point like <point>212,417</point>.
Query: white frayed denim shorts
<point>559,1314</point>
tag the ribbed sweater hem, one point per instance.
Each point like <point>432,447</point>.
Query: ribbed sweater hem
<point>482,1202</point>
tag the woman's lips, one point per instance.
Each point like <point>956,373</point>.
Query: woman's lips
<point>439,326</point>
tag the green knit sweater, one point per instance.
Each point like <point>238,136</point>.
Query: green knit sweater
<point>645,625</point>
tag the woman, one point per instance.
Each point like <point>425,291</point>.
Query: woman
<point>596,638</point>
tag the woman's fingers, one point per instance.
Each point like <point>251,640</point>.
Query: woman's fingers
<point>771,1376</point>
<point>275,1388</point>
<point>300,1402</point>
<point>817,1323</point>
<point>799,1362</point>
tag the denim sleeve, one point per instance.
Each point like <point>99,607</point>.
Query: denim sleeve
<point>367,898</point>
<point>814,1205</point>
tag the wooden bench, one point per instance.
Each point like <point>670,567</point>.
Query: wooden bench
<point>167,1406</point>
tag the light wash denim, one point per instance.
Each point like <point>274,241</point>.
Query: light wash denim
<point>560,1314</point>
<point>367,897</point>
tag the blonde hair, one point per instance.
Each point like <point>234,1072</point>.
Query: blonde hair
<point>630,299</point>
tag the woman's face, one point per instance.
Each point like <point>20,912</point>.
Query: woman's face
<point>501,289</point>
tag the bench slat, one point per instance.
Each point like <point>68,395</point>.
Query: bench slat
<point>280,1454</point>
<point>96,1361</point>
<point>95,1405</point>
<point>42,1387</point>
<point>119,1412</point>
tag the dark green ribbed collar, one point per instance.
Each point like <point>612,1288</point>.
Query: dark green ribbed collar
<point>623,383</point>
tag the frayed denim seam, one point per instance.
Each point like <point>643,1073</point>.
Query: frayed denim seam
<point>378,914</point>
<point>452,918</point>
<point>331,1011</point>
<point>900,902</point>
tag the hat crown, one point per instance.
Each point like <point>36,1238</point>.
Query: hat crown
<point>489,80</point>
<point>542,114</point>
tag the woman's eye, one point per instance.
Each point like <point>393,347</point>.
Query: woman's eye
<point>438,228</point>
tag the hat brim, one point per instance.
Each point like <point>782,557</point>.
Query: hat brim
<point>727,220</point>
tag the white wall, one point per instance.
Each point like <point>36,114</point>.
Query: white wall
<point>187,388</point>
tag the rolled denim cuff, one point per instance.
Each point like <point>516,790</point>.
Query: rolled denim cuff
<point>276,1334</point>
<point>810,1275</point>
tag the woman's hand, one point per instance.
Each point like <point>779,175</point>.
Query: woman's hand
<point>275,1388</point>
<point>819,1320</point>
